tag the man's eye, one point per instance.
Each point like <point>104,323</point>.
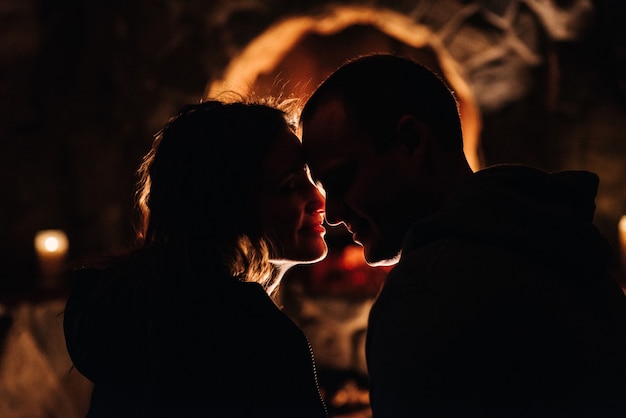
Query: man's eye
<point>339,180</point>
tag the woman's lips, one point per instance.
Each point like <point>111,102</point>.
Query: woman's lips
<point>314,229</point>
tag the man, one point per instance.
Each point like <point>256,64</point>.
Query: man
<point>499,304</point>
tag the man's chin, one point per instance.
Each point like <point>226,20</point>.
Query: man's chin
<point>379,260</point>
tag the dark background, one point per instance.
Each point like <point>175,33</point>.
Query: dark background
<point>85,84</point>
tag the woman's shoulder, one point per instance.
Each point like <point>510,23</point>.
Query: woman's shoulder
<point>252,297</point>
<point>96,277</point>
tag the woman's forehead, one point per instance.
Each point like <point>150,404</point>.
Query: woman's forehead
<point>284,156</point>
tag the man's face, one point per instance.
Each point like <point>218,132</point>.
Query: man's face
<point>372,194</point>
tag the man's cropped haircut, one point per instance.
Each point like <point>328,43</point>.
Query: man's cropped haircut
<point>378,89</point>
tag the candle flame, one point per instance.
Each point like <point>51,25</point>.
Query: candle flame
<point>51,244</point>
<point>51,241</point>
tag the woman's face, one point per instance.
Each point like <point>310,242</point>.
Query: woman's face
<point>290,204</point>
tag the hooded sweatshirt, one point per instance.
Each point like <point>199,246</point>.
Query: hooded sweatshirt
<point>212,351</point>
<point>502,306</point>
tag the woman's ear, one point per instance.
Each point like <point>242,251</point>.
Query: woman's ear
<point>411,133</point>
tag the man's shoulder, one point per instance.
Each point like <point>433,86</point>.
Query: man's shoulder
<point>455,257</point>
<point>418,273</point>
<point>451,269</point>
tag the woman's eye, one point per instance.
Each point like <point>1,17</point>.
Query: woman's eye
<point>288,186</point>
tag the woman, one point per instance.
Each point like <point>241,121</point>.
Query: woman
<point>185,325</point>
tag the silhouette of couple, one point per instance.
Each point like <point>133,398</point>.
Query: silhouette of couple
<point>499,303</point>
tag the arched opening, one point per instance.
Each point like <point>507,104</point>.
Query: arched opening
<point>291,57</point>
<point>330,299</point>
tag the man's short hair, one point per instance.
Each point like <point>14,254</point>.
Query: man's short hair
<point>378,89</point>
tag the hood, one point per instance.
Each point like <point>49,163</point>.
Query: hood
<point>100,322</point>
<point>540,214</point>
<point>119,318</point>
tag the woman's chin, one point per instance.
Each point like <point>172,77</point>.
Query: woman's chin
<point>309,255</point>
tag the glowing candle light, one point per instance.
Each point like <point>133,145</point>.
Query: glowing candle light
<point>51,246</point>
<point>622,240</point>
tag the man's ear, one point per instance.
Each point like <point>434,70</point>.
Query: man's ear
<point>411,133</point>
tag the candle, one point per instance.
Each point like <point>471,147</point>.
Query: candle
<point>622,240</point>
<point>51,246</point>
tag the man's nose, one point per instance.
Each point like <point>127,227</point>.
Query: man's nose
<point>334,210</point>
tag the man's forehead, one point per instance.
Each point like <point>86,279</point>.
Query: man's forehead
<point>327,130</point>
<point>331,109</point>
<point>327,144</point>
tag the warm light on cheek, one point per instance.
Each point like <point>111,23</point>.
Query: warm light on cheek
<point>321,189</point>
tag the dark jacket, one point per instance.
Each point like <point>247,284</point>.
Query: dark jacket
<point>209,353</point>
<point>501,306</point>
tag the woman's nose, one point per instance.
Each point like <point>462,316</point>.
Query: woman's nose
<point>317,199</point>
